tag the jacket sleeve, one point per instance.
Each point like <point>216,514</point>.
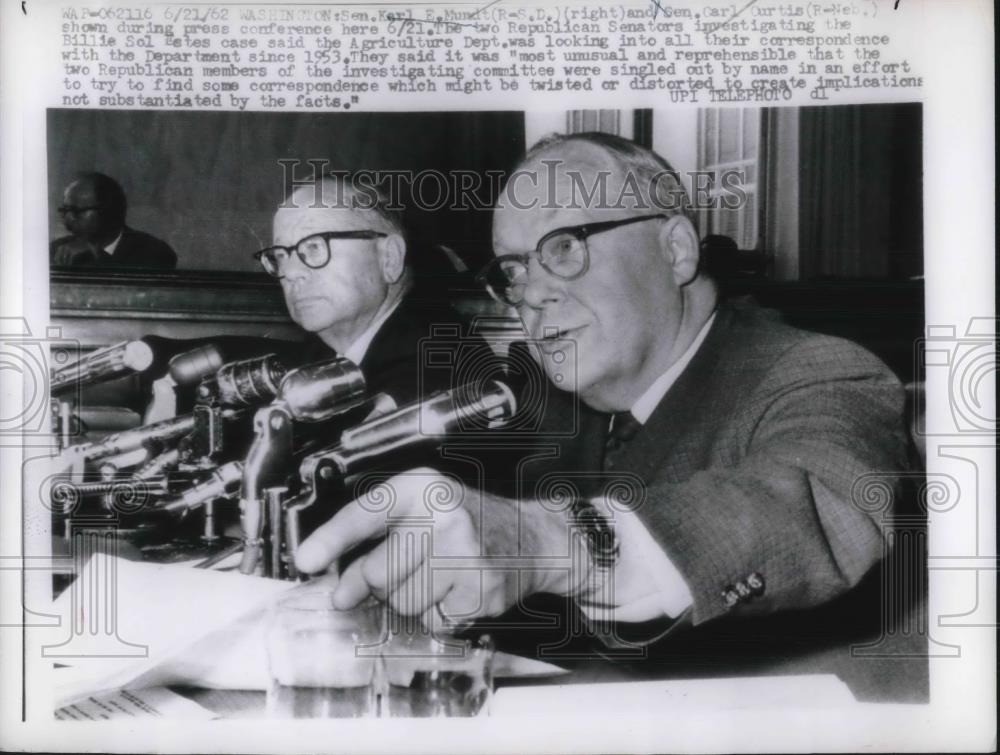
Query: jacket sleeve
<point>780,524</point>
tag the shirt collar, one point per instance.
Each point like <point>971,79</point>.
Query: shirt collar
<point>648,401</point>
<point>357,350</point>
<point>110,248</point>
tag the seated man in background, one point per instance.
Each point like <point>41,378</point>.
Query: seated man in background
<point>93,211</point>
<point>740,440</point>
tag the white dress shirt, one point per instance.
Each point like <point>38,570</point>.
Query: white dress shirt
<point>646,584</point>
<point>110,248</point>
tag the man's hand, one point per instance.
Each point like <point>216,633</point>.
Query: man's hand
<point>77,251</point>
<point>471,554</point>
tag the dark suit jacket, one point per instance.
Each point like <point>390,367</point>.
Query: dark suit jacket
<point>135,249</point>
<point>421,348</point>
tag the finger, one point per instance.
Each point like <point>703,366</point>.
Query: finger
<point>419,592</point>
<point>365,517</point>
<point>463,603</point>
<point>387,566</point>
<point>327,582</point>
<point>348,527</point>
<point>352,587</point>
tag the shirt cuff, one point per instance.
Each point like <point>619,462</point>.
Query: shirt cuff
<point>644,584</point>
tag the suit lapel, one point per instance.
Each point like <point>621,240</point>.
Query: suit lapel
<point>682,410</point>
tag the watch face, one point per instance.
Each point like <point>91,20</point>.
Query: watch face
<point>602,542</point>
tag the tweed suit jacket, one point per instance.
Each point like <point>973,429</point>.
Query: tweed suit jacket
<point>752,462</point>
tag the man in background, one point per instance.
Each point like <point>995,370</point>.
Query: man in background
<point>93,211</point>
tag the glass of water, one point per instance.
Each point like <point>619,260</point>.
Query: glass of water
<point>430,677</point>
<point>322,662</point>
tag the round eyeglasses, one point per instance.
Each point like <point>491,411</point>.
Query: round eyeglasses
<point>562,252</point>
<point>313,251</point>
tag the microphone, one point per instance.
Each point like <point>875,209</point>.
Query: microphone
<point>246,382</point>
<point>191,366</point>
<point>103,364</point>
<point>469,407</point>
<point>223,481</point>
<point>485,405</point>
<point>317,392</point>
<point>130,440</point>
<point>312,393</point>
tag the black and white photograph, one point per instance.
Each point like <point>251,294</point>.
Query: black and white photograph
<point>740,401</point>
<point>621,414</point>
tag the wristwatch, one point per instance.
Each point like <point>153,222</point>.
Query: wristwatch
<point>602,541</point>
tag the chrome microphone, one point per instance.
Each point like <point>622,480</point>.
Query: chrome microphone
<point>103,364</point>
<point>130,440</point>
<point>221,482</point>
<point>194,365</point>
<point>468,407</point>
<point>475,406</point>
<point>312,393</point>
<point>245,382</point>
<point>317,392</point>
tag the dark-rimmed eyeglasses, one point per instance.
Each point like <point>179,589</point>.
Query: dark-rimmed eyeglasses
<point>68,209</point>
<point>562,252</point>
<point>313,251</point>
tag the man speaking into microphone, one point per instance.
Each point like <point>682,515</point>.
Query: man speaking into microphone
<point>746,437</point>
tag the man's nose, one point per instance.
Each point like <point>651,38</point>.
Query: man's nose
<point>542,288</point>
<point>293,268</point>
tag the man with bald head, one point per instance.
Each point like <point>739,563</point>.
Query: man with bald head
<point>93,211</point>
<point>716,466</point>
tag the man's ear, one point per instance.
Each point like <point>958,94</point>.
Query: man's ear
<point>679,242</point>
<point>392,257</point>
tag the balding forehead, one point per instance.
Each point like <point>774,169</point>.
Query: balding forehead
<point>563,163</point>
<point>327,193</point>
<point>82,187</point>
<point>573,177</point>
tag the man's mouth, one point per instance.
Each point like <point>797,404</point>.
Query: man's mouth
<point>306,301</point>
<point>557,339</point>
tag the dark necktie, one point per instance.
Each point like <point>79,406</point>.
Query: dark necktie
<point>623,428</point>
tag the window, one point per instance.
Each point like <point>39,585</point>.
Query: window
<point>729,148</point>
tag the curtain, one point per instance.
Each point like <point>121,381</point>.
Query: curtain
<point>860,207</point>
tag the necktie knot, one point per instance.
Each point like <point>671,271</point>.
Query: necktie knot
<point>624,426</point>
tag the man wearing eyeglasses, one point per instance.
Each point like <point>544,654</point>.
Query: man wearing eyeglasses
<point>340,254</point>
<point>740,441</point>
<point>93,211</point>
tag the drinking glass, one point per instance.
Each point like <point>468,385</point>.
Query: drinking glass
<point>430,677</point>
<point>320,660</point>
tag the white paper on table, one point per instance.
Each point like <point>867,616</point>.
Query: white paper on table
<point>235,658</point>
<point>645,698</point>
<point>200,627</point>
<point>128,704</point>
<point>158,612</point>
